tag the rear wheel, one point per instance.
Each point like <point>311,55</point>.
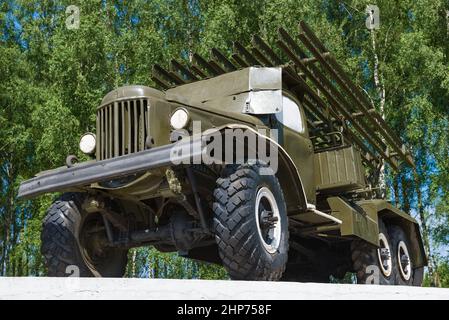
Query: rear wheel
<point>374,265</point>
<point>250,223</point>
<point>406,273</point>
<point>74,242</point>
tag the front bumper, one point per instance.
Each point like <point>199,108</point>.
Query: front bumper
<point>84,174</point>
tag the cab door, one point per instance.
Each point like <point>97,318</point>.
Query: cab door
<point>293,136</point>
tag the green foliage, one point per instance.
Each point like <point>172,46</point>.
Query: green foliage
<point>443,273</point>
<point>150,263</point>
<point>52,79</point>
<point>349,278</point>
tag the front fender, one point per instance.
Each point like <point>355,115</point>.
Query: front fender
<point>287,173</point>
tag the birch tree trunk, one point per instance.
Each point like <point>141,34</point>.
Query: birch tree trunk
<point>396,190</point>
<point>380,88</point>
<point>133,264</point>
<point>190,28</point>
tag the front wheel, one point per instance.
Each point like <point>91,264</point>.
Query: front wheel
<point>74,242</point>
<point>250,223</point>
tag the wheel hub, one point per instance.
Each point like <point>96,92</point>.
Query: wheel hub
<point>405,265</point>
<point>268,220</point>
<point>384,255</point>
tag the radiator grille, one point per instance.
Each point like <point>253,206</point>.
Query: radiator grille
<point>122,127</point>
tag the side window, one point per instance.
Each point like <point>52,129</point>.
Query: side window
<point>291,116</point>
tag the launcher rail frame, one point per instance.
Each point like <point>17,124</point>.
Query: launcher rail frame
<point>332,101</point>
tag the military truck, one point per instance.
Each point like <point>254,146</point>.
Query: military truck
<point>302,202</point>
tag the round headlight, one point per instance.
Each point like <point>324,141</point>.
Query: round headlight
<point>88,143</point>
<point>179,119</point>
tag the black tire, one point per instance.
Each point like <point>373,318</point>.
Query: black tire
<point>418,277</point>
<point>235,223</point>
<point>414,276</point>
<point>366,262</point>
<point>63,232</point>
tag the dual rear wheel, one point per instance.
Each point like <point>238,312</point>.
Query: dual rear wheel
<point>391,263</point>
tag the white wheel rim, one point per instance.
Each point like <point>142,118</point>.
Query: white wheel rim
<point>405,265</point>
<point>384,255</point>
<point>268,220</point>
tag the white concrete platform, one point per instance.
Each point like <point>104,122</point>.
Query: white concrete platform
<point>153,289</point>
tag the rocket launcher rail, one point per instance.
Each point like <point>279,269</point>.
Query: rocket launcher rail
<point>338,112</point>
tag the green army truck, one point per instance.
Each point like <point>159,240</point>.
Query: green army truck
<point>269,162</point>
